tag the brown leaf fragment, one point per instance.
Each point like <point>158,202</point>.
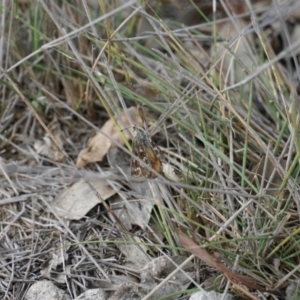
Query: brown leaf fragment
<point>233,277</point>
<point>234,58</point>
<point>74,202</point>
<point>265,172</point>
<point>99,145</point>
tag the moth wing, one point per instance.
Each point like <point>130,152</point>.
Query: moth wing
<point>151,156</point>
<point>158,152</point>
<point>155,158</point>
<point>137,169</point>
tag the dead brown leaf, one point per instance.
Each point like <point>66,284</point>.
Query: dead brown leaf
<point>99,145</point>
<point>233,277</point>
<point>230,53</point>
<point>269,179</point>
<point>74,202</point>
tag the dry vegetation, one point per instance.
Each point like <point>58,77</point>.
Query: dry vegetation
<point>218,83</point>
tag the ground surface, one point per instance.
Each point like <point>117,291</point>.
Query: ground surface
<point>217,85</point>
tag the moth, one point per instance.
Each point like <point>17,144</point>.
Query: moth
<point>147,151</point>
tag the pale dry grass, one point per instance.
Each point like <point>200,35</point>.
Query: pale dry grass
<point>55,68</point>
